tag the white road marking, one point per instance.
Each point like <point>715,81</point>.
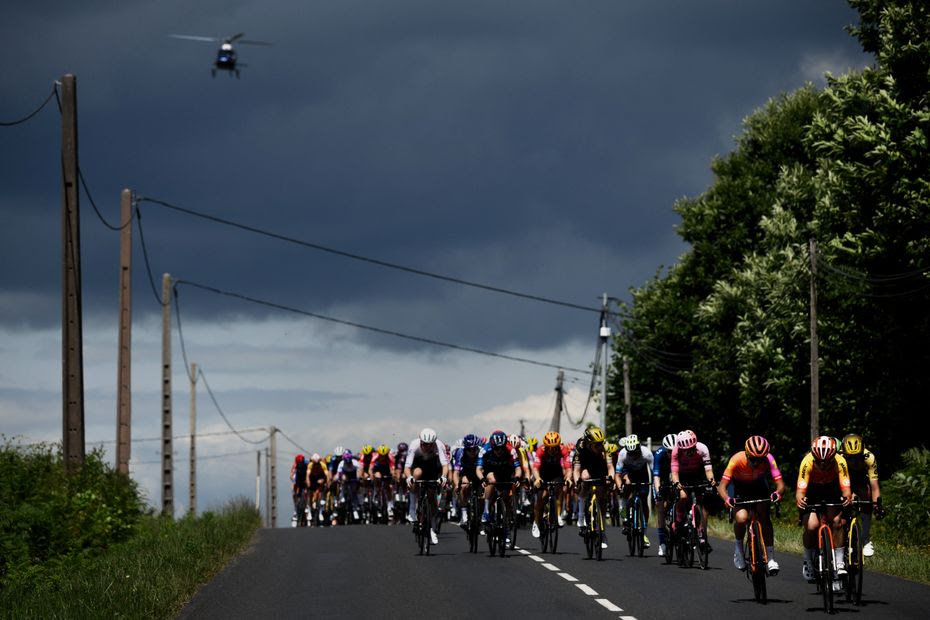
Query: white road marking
<point>550,567</point>
<point>535,558</point>
<point>567,577</point>
<point>607,604</point>
<point>627,617</point>
<point>586,589</point>
<point>523,551</point>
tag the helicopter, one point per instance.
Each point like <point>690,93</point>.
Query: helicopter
<point>226,59</point>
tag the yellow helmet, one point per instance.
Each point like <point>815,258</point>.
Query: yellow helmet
<point>366,449</point>
<point>610,447</point>
<point>383,450</point>
<point>531,443</point>
<point>594,434</point>
<point>552,439</point>
<point>327,458</point>
<point>852,445</point>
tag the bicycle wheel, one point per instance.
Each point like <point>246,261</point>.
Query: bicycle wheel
<point>598,521</point>
<point>854,565</point>
<point>758,565</point>
<point>701,533</point>
<point>689,546</point>
<point>826,569</point>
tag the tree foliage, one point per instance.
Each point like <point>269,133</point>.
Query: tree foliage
<point>720,342</point>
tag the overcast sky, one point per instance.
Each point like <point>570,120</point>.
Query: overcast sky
<point>535,145</point>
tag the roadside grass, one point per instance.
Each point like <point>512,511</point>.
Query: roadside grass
<point>891,557</point>
<point>151,575</point>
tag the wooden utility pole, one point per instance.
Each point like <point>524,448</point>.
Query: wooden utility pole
<point>627,403</point>
<point>557,414</point>
<point>605,344</point>
<point>815,354</point>
<point>167,468</point>
<point>72,356</point>
<point>193,457</point>
<point>273,483</point>
<point>124,355</point>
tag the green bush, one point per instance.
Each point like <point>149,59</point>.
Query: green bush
<point>47,515</point>
<point>906,498</point>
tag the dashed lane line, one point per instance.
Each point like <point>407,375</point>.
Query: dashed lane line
<point>567,577</point>
<point>586,589</point>
<point>535,558</point>
<point>550,566</point>
<point>607,604</point>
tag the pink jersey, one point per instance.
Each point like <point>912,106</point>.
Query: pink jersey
<point>691,461</point>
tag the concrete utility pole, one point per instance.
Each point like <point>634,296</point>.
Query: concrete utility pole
<point>258,479</point>
<point>193,467</point>
<point>267,487</point>
<point>557,414</point>
<point>522,428</point>
<point>167,466</point>
<point>72,357</point>
<point>605,345</point>
<point>274,480</point>
<point>124,356</point>
<point>627,401</point>
<point>815,354</point>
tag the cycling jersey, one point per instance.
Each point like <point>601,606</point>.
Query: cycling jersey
<point>348,469</point>
<point>862,468</point>
<point>334,464</point>
<point>400,458</point>
<point>691,462</point>
<point>835,472</point>
<point>503,464</point>
<point>740,469</point>
<point>465,460</point>
<point>636,464</point>
<point>662,464</point>
<point>317,471</point>
<point>382,464</point>
<point>365,462</point>
<point>430,462</point>
<point>552,463</point>
<point>299,475</point>
<point>588,459</point>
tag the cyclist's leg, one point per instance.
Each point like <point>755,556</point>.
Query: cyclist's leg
<point>835,518</point>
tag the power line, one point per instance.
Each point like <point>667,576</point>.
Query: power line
<point>199,458</point>
<point>34,112</point>
<point>145,255</point>
<point>181,437</point>
<point>292,442</point>
<point>379,330</point>
<point>220,410</point>
<point>367,259</point>
<point>96,210</point>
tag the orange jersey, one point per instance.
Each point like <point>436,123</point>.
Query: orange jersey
<point>836,471</point>
<point>741,470</point>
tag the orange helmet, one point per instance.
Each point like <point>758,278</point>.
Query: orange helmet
<point>757,447</point>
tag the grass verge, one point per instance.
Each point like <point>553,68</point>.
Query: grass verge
<point>891,558</point>
<point>151,575</point>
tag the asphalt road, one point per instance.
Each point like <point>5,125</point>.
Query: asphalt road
<point>374,571</point>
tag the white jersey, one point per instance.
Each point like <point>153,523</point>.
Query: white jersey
<point>439,449</point>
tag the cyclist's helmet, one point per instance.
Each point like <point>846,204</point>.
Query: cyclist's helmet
<point>757,447</point>
<point>300,458</point>
<point>610,447</point>
<point>339,450</point>
<point>531,443</point>
<point>315,458</point>
<point>427,435</point>
<point>594,434</point>
<point>498,439</point>
<point>383,450</point>
<point>515,441</point>
<point>552,439</point>
<point>686,440</point>
<point>402,447</point>
<point>852,445</point>
<point>470,441</point>
<point>668,442</point>
<point>823,448</point>
<point>327,458</point>
<point>367,449</point>
<point>631,442</point>
<point>346,456</point>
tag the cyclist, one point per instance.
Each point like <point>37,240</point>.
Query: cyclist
<point>613,452</point>
<point>400,457</point>
<point>497,462</point>
<point>364,461</point>
<point>299,483</point>
<point>552,463</point>
<point>380,468</point>
<point>661,477</point>
<point>348,473</point>
<point>690,466</point>
<point>752,472</point>
<point>516,443</point>
<point>318,478</point>
<point>863,478</point>
<point>823,477</point>
<point>426,460</point>
<point>635,467</point>
<point>590,461</point>
<point>464,472</point>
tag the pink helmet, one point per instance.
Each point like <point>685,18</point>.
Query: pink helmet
<point>686,440</point>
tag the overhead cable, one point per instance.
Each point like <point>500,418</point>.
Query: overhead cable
<point>34,112</point>
<point>379,330</point>
<point>367,259</point>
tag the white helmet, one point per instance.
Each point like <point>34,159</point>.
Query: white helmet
<point>631,442</point>
<point>515,441</point>
<point>316,457</point>
<point>427,435</point>
<point>338,451</point>
<point>668,442</point>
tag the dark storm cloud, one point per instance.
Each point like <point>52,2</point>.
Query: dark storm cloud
<point>531,145</point>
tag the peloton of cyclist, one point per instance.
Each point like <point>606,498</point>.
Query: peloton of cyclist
<point>661,483</point>
<point>552,464</point>
<point>635,462</point>
<point>863,479</point>
<point>497,463</point>
<point>426,460</point>
<point>690,466</point>
<point>752,472</point>
<point>464,472</point>
<point>590,462</point>
<point>823,477</point>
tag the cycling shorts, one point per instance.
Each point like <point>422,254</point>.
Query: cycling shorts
<point>470,474</point>
<point>550,472</point>
<point>381,468</point>
<point>755,489</point>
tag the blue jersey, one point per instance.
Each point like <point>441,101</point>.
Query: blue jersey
<point>489,460</point>
<point>462,460</point>
<point>334,464</point>
<point>662,464</point>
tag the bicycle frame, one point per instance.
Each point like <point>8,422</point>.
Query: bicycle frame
<point>754,551</point>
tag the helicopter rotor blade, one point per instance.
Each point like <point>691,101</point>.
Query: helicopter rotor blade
<point>251,42</point>
<point>189,37</point>
<point>235,37</point>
